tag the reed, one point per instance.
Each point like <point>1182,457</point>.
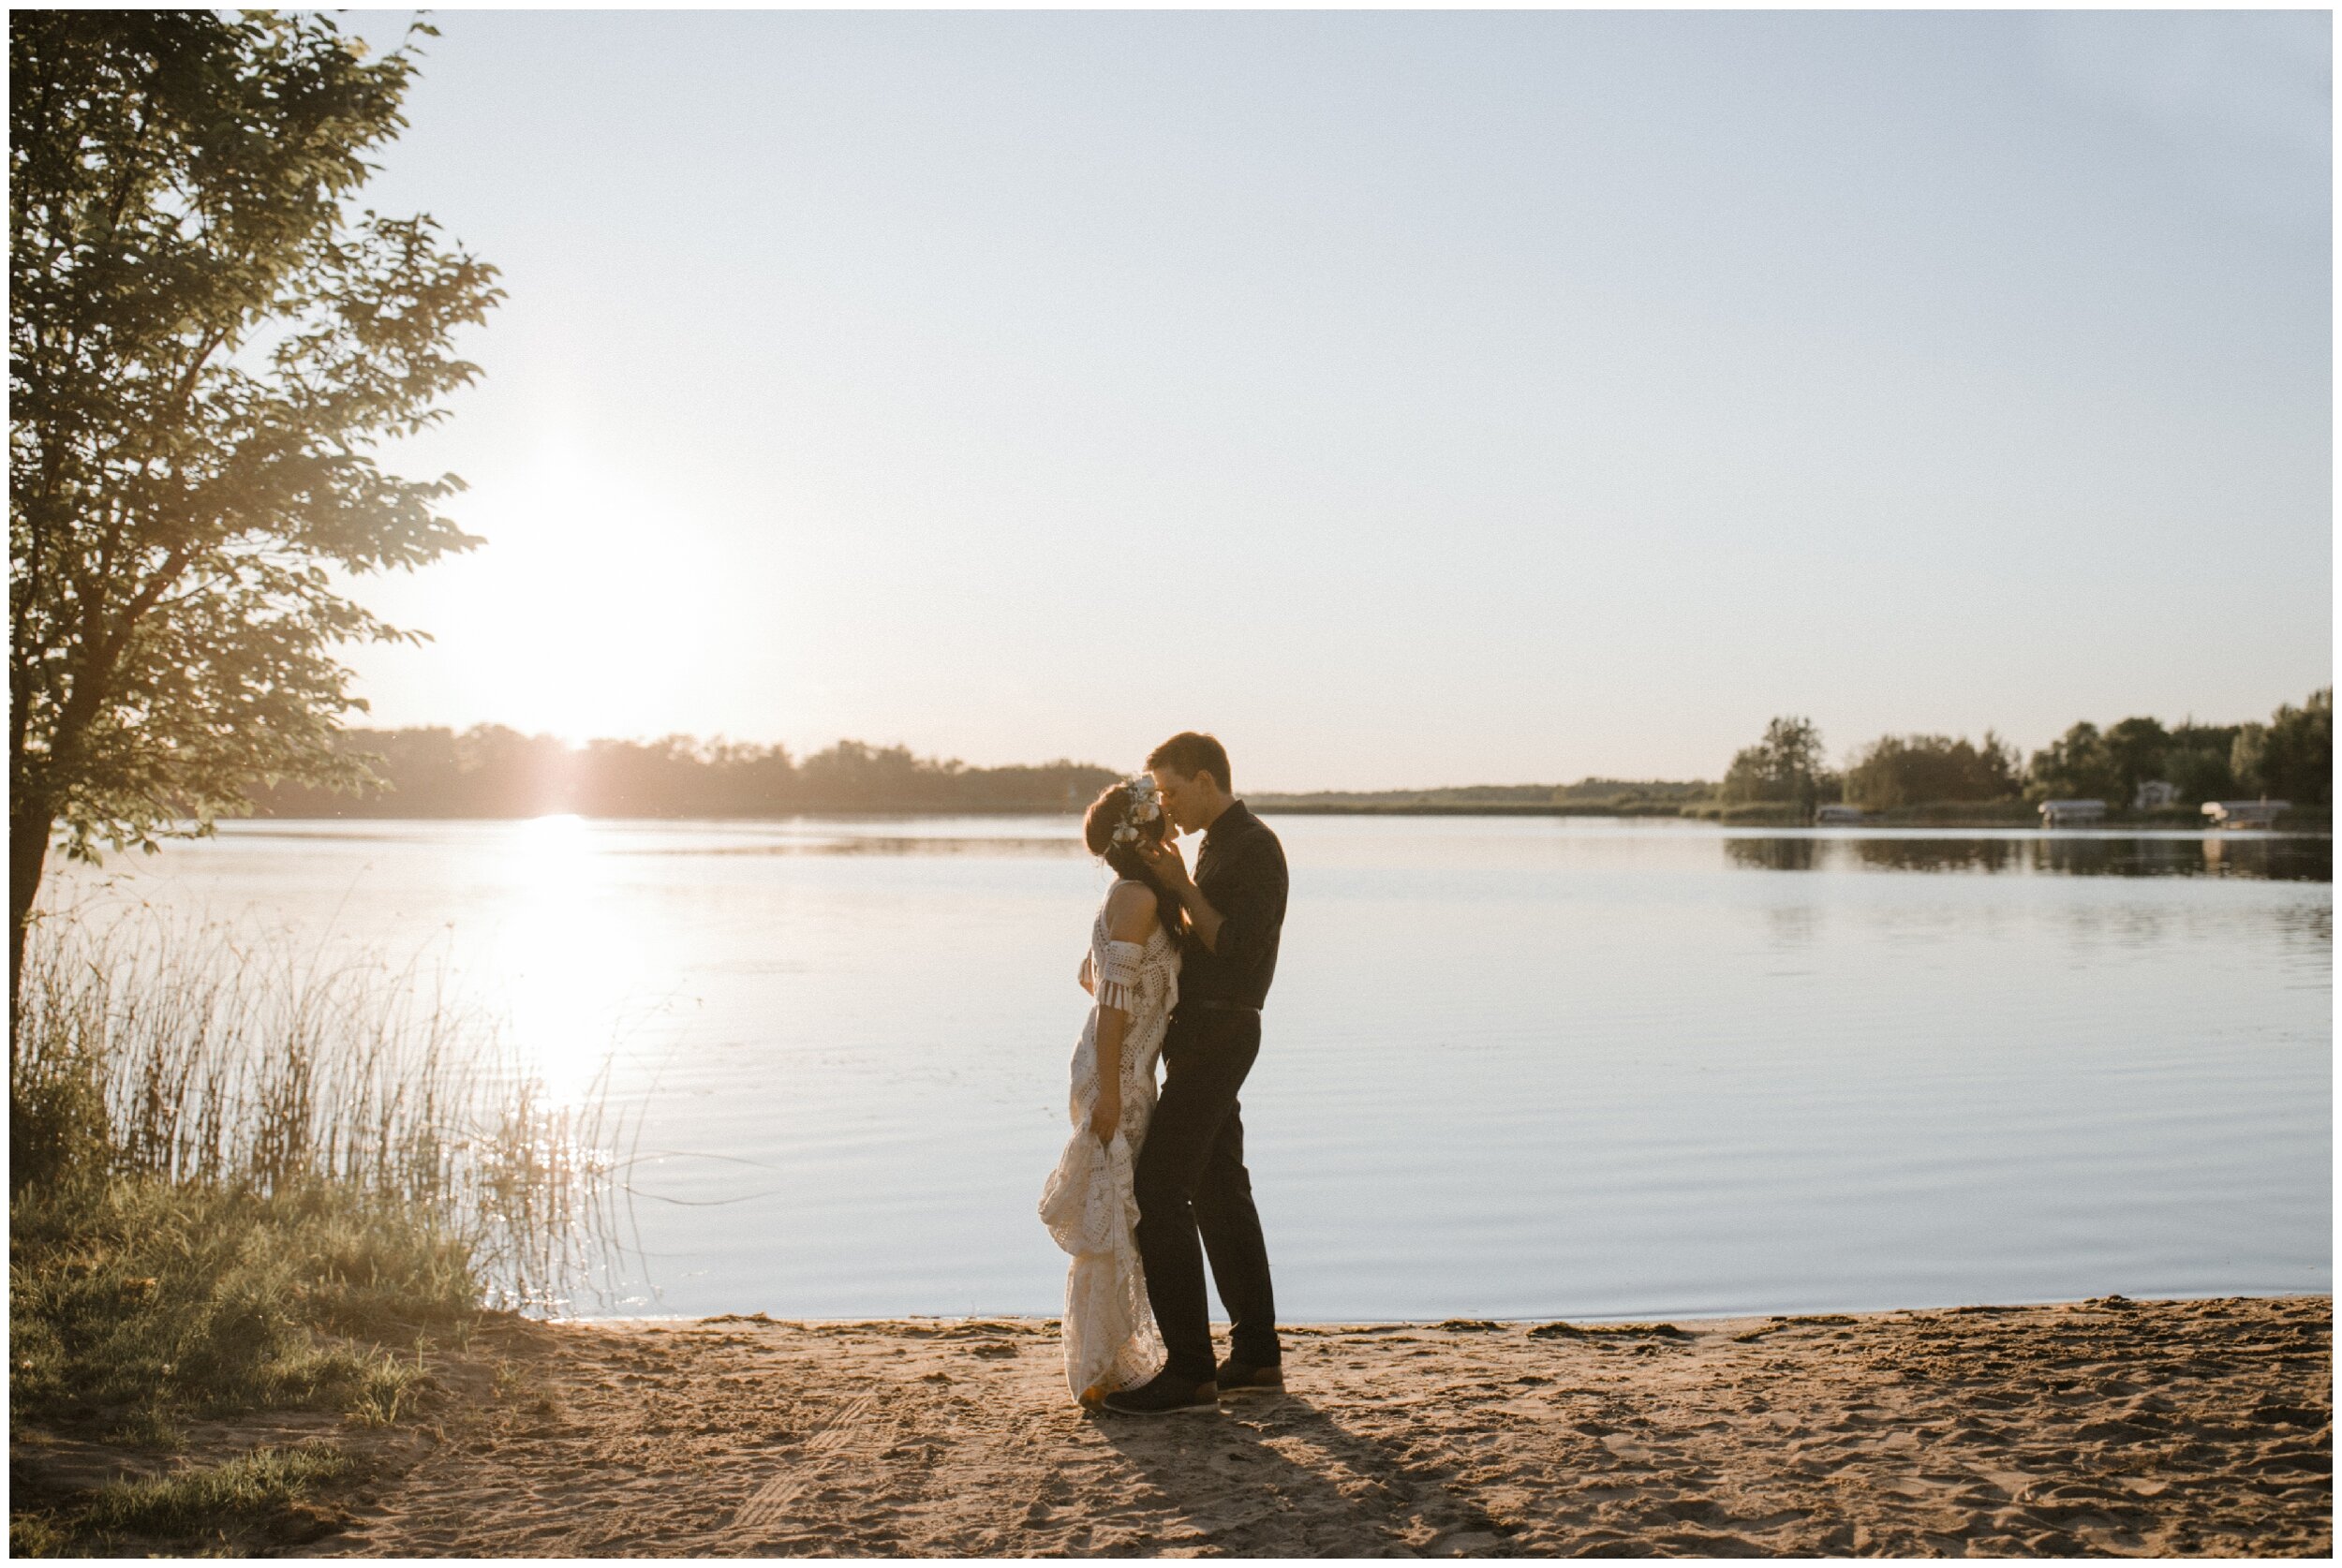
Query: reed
<point>200,1055</point>
<point>247,1175</point>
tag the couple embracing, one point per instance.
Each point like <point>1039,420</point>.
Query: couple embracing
<point>1153,1182</point>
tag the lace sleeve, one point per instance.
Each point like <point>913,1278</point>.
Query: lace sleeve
<point>1117,975</point>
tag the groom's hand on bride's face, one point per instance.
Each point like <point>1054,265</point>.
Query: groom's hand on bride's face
<point>1163,858</point>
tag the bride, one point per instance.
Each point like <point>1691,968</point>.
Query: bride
<point>1131,970</point>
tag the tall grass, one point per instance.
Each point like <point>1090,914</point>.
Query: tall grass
<point>199,1056</point>
<point>246,1175</point>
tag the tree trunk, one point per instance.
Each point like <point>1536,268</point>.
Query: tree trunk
<point>29,823</point>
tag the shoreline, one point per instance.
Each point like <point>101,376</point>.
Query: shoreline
<point>2308,825</point>
<point>2110,1425</point>
<point>1038,1321</point>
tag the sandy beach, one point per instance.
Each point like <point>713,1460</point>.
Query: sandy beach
<point>2102,1426</point>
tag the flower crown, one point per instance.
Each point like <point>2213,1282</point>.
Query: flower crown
<point>1142,805</point>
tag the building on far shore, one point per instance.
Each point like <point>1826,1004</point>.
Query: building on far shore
<point>2072,813</point>
<point>2154,795</point>
<point>2245,813</point>
<point>1826,815</point>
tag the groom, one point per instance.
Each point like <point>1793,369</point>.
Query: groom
<point>1190,1178</point>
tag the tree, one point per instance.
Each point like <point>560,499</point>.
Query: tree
<point>2291,757</point>
<point>2074,766</point>
<point>2197,760</point>
<point>1785,766</point>
<point>2135,752</point>
<point>2202,773</point>
<point>206,347</point>
<point>1919,770</point>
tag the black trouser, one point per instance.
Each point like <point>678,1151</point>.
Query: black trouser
<point>1190,1178</point>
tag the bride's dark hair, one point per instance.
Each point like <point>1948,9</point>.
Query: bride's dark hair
<point>1104,815</point>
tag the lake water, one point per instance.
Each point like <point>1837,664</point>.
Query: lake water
<point>1512,1067</point>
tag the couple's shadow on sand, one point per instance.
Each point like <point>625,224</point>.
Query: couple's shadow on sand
<point>1272,1474</point>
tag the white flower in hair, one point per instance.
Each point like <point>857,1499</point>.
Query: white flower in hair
<point>1141,805</point>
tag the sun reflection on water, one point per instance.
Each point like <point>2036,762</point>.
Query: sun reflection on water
<point>566,965</point>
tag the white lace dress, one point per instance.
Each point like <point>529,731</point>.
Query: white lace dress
<point>1110,1337</point>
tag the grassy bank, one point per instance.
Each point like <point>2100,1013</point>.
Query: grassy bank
<point>242,1183</point>
<point>139,1308</point>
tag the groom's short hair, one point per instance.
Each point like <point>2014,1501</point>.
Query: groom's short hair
<point>1190,753</point>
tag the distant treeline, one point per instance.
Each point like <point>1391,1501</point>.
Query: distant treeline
<point>2291,757</point>
<point>2136,764</point>
<point>494,772</point>
<point>1589,796</point>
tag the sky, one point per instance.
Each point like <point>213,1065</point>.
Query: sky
<point>1409,398</point>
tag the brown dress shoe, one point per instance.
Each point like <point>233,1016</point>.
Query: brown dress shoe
<point>1162,1395</point>
<point>1236,1378</point>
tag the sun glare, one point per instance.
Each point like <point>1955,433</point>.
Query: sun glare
<point>573,600</point>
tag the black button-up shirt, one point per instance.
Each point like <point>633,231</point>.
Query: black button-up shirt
<point>1240,872</point>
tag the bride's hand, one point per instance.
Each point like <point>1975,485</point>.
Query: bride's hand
<point>1107,1114</point>
<point>1089,976</point>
